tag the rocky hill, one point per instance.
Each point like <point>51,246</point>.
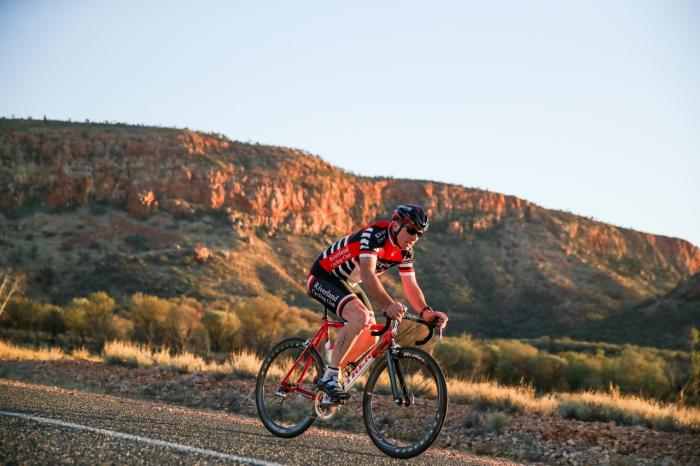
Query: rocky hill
<point>663,321</point>
<point>121,208</point>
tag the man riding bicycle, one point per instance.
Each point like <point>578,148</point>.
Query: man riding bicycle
<point>361,257</point>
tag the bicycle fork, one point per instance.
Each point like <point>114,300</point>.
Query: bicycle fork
<point>396,372</point>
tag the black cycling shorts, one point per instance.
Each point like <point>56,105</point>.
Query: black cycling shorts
<point>333,292</point>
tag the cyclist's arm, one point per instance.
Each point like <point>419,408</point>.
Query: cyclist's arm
<point>367,266</point>
<point>394,309</point>
<point>413,292</point>
<point>415,296</point>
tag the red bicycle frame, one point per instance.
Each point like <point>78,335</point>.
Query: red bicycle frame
<point>321,336</point>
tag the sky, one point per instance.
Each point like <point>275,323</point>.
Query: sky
<point>592,107</point>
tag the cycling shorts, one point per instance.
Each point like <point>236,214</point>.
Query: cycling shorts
<point>333,292</point>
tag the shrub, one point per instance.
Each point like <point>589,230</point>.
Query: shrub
<point>92,315</point>
<point>511,361</point>
<point>149,314</point>
<point>459,357</point>
<point>268,319</point>
<point>583,371</point>
<point>637,370</point>
<point>183,326</point>
<point>494,422</point>
<point>26,313</point>
<point>222,327</point>
<point>549,372</point>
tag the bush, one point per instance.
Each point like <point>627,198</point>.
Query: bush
<point>26,313</point>
<point>93,316</point>
<point>511,361</point>
<point>149,314</point>
<point>183,326</point>
<point>640,371</point>
<point>459,357</point>
<point>583,371</point>
<point>222,327</point>
<point>267,320</point>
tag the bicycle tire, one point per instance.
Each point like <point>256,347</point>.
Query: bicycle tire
<point>406,431</point>
<point>290,414</point>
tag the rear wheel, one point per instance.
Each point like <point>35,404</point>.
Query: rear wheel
<point>287,410</point>
<point>406,430</point>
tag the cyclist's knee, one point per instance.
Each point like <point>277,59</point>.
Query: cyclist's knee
<point>357,315</point>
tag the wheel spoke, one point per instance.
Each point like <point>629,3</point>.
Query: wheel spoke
<point>289,414</point>
<point>399,430</point>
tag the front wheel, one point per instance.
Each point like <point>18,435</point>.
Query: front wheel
<point>286,386</point>
<point>408,429</point>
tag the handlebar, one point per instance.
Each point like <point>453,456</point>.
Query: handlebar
<point>431,326</point>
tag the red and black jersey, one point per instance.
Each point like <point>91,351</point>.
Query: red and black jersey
<point>342,258</point>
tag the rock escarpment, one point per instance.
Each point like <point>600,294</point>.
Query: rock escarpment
<point>507,253</point>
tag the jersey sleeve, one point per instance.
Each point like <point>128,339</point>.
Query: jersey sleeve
<point>370,242</point>
<point>406,266</point>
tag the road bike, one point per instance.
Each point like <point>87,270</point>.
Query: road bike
<point>405,395</point>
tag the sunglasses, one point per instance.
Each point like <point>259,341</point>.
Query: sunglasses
<point>412,231</point>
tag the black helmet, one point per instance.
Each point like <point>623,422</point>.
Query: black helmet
<point>412,215</point>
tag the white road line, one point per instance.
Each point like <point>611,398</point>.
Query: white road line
<point>149,441</point>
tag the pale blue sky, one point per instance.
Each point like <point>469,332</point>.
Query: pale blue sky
<point>587,106</point>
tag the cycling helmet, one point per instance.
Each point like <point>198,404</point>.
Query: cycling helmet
<point>411,215</point>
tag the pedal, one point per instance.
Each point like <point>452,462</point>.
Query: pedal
<point>324,407</point>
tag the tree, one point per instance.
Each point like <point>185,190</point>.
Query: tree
<point>93,315</point>
<point>10,284</point>
<point>184,323</point>
<point>149,314</point>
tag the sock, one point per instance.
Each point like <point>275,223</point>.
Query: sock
<point>331,372</point>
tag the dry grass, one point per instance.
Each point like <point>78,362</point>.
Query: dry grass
<point>491,394</point>
<point>129,354</point>
<point>628,409</point>
<point>245,363</point>
<point>588,406</point>
<point>182,362</point>
<point>82,354</point>
<point>10,351</point>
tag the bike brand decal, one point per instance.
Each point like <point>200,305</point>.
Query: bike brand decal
<point>415,356</point>
<point>359,367</point>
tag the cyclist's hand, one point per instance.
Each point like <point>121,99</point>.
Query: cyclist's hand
<point>431,315</point>
<point>395,311</point>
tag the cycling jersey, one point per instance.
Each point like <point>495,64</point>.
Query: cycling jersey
<point>342,258</point>
<point>336,271</point>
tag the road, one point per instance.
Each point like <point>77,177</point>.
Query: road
<point>48,425</point>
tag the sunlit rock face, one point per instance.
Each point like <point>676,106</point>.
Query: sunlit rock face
<point>487,253</point>
<point>274,188</point>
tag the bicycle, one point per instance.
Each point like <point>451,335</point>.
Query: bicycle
<point>405,396</point>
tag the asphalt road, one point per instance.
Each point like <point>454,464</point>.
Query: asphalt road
<point>48,425</point>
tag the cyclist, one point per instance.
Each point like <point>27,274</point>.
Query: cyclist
<point>361,257</point>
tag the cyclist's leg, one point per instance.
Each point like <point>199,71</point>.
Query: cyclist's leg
<point>364,341</point>
<point>338,296</point>
<point>357,318</point>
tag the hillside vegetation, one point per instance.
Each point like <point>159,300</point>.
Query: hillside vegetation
<point>186,326</point>
<point>176,213</point>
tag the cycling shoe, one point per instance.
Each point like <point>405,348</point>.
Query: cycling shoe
<point>331,387</point>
